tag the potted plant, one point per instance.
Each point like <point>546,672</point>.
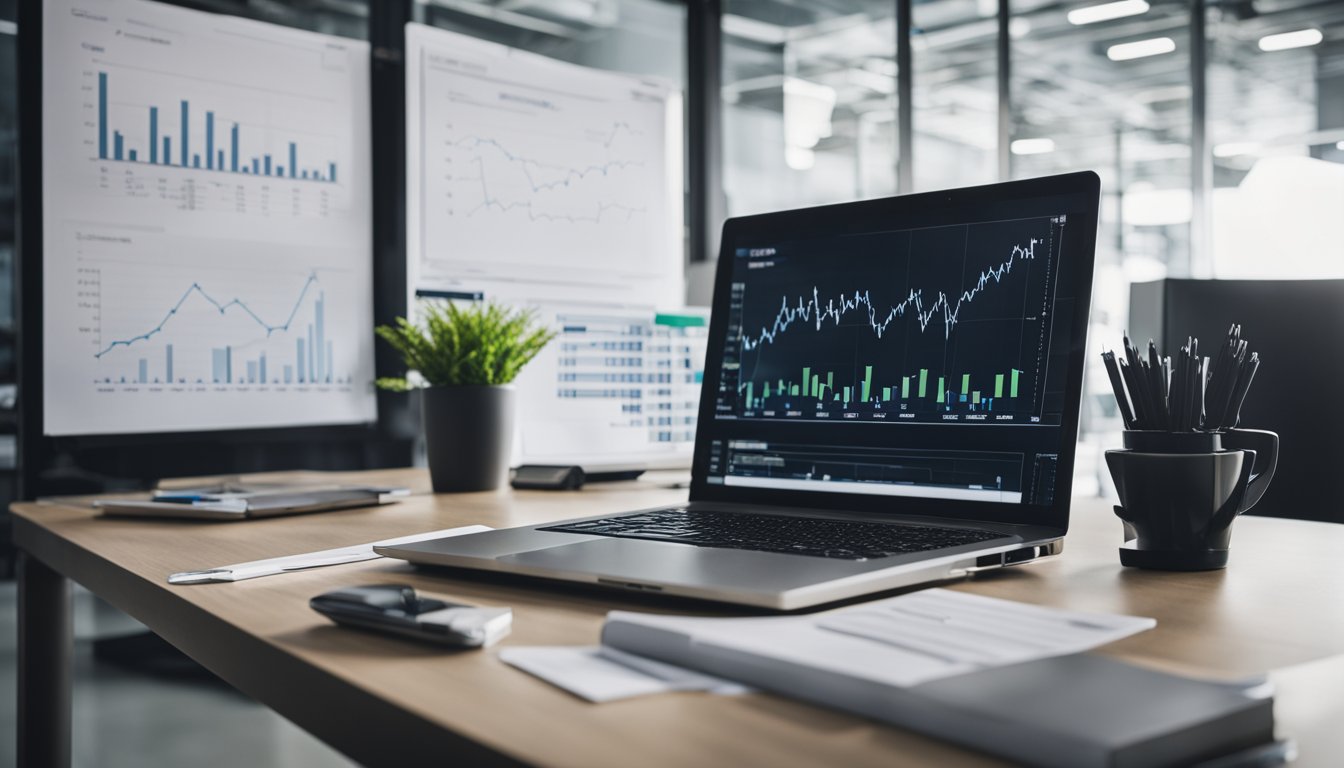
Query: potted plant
<point>464,359</point>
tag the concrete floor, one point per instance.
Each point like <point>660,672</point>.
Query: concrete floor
<point>123,718</point>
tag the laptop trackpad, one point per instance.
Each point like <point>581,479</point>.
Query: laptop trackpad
<point>657,562</point>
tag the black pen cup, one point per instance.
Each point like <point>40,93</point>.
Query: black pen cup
<point>1180,492</point>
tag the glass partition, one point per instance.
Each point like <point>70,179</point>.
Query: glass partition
<point>1276,135</point>
<point>955,93</point>
<point>809,106</point>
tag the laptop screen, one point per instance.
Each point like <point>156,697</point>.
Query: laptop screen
<point>925,347</point>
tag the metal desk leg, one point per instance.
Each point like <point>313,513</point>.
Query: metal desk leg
<point>46,645</point>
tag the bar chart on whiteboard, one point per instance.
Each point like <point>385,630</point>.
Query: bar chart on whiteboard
<point>207,222</point>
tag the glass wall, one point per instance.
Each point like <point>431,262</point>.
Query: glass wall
<point>809,107</point>
<point>955,92</point>
<point>1276,132</point>
<point>642,37</point>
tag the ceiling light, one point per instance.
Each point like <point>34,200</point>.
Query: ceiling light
<point>1107,11</point>
<point>1140,48</point>
<point>1285,40</point>
<point>1234,148</point>
<point>1032,146</point>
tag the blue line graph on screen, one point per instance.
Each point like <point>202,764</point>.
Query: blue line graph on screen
<point>811,310</point>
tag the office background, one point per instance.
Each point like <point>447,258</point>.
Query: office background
<point>1219,158</point>
<point>1221,153</point>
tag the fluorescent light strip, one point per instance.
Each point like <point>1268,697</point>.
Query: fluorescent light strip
<point>1107,11</point>
<point>1285,40</point>
<point>1140,48</point>
<point>1032,146</point>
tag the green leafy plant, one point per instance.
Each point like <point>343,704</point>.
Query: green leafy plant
<point>482,343</point>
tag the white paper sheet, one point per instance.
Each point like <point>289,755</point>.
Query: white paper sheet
<point>601,674</point>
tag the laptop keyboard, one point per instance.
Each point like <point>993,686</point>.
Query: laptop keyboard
<point>838,539</point>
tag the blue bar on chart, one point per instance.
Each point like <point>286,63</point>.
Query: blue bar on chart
<point>289,374</point>
<point>102,115</point>
<point>321,343</point>
<point>312,375</point>
<point>168,362</point>
<point>144,371</point>
<point>228,364</point>
<point>183,138</point>
<point>114,145</point>
<point>329,351</point>
<point>251,371</point>
<point>261,368</point>
<point>299,365</point>
<point>217,366</point>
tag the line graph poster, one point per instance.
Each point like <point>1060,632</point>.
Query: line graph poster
<point>207,220</point>
<point>524,168</point>
<point>936,324</point>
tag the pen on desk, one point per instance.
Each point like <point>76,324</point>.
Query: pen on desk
<point>288,563</point>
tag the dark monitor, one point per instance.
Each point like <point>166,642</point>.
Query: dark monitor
<point>920,354</point>
<point>196,247</point>
<point>1296,327</point>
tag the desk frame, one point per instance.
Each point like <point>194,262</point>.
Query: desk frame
<point>371,731</point>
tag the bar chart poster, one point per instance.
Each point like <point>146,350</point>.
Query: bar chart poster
<point>943,324</point>
<point>521,167</point>
<point>207,218</point>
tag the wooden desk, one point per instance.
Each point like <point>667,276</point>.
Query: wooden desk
<point>385,701</point>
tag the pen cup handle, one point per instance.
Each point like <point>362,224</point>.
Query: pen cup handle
<point>1266,447</point>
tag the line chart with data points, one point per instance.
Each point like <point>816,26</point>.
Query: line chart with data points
<point>208,228</point>
<point>913,304</point>
<point>523,164</point>
<point>929,325</point>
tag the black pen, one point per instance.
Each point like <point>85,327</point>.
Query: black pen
<point>1252,366</point>
<point>1118,387</point>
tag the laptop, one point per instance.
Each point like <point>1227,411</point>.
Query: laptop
<point>891,398</point>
